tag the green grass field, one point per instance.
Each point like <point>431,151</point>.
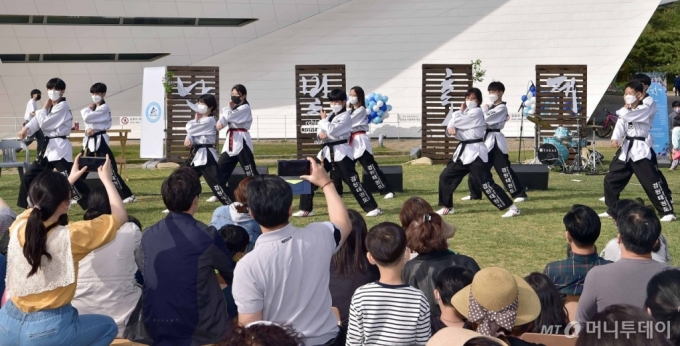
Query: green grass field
<point>522,244</point>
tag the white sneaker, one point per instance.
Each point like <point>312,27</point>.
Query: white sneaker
<point>303,213</point>
<point>602,199</point>
<point>512,211</point>
<point>605,215</point>
<point>73,201</point>
<point>389,195</point>
<point>520,199</point>
<point>130,199</point>
<point>374,212</point>
<point>466,198</point>
<point>446,211</point>
<point>668,218</point>
<point>166,211</point>
<point>212,199</point>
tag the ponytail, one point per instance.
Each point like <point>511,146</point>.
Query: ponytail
<point>425,234</point>
<point>36,239</point>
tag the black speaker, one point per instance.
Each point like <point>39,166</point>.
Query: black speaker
<point>532,177</point>
<point>239,175</point>
<point>394,174</point>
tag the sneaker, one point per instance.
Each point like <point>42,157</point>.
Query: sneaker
<point>374,212</point>
<point>512,211</point>
<point>446,211</point>
<point>212,199</point>
<point>74,202</point>
<point>166,211</point>
<point>389,195</point>
<point>520,199</point>
<point>303,213</point>
<point>668,218</point>
<point>602,199</point>
<point>605,215</point>
<point>130,199</point>
<point>466,198</point>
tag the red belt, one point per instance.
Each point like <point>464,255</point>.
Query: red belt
<point>231,138</point>
<point>351,137</point>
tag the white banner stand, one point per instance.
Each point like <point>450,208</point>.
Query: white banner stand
<point>153,116</point>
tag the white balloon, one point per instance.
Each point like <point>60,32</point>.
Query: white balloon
<point>527,103</point>
<point>532,111</point>
<point>385,115</point>
<point>533,101</point>
<point>376,108</point>
<point>380,103</point>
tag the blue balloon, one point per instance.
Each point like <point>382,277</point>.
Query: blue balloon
<point>385,98</point>
<point>371,104</point>
<point>532,89</point>
<point>389,108</point>
<point>533,92</point>
<point>524,98</point>
<point>374,114</point>
<point>380,113</point>
<point>383,108</point>
<point>377,120</point>
<point>378,97</point>
<point>367,101</point>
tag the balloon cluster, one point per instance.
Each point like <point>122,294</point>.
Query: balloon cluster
<point>377,108</point>
<point>529,101</point>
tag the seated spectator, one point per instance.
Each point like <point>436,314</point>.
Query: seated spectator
<point>350,268</point>
<point>106,277</point>
<point>43,254</point>
<point>426,237</point>
<point>582,226</point>
<point>415,206</point>
<point>7,217</point>
<point>624,281</point>
<point>449,282</point>
<point>498,304</point>
<point>236,240</point>
<point>553,313</point>
<point>388,311</point>
<point>453,336</point>
<point>264,334</point>
<point>183,302</point>
<point>612,318</point>
<point>663,301</point>
<point>237,214</point>
<point>285,278</point>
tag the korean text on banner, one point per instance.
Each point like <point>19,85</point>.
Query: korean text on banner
<point>660,127</point>
<point>153,114</point>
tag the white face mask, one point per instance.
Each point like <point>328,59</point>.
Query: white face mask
<point>353,100</point>
<point>96,98</point>
<point>202,108</point>
<point>336,108</point>
<point>471,104</point>
<point>54,94</point>
<point>493,98</point>
<point>630,99</point>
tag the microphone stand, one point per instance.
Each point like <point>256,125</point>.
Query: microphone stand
<point>521,125</point>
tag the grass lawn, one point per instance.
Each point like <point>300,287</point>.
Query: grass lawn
<point>522,244</point>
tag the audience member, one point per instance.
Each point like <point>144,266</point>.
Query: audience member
<point>582,226</point>
<point>426,237</point>
<point>663,301</point>
<point>388,311</point>
<point>612,319</point>
<point>448,283</point>
<point>264,334</point>
<point>553,313</point>
<point>3,273</point>
<point>415,206</point>
<point>7,217</point>
<point>624,281</point>
<point>453,336</point>
<point>350,268</point>
<point>237,213</point>
<point>43,255</point>
<point>674,127</point>
<point>106,277</point>
<point>236,240</point>
<point>183,302</point>
<point>285,278</point>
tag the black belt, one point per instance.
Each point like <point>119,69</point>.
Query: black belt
<point>465,143</point>
<point>96,135</point>
<point>194,151</point>
<point>330,146</point>
<point>41,154</point>
<point>630,145</point>
<point>486,133</point>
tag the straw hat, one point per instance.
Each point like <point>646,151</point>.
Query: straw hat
<point>452,336</point>
<point>496,288</point>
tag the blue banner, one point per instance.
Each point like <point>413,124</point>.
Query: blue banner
<point>660,126</point>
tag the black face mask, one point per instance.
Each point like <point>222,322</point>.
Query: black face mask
<point>236,99</point>
<point>37,98</point>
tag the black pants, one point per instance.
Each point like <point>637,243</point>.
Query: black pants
<point>666,189</point>
<point>104,149</point>
<point>348,173</point>
<point>368,162</point>
<point>227,164</point>
<point>501,163</point>
<point>210,171</point>
<point>79,190</point>
<point>619,175</point>
<point>39,138</point>
<point>480,174</point>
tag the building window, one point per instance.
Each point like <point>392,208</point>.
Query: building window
<point>129,21</point>
<point>37,58</point>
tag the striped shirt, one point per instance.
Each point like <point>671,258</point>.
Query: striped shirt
<point>382,314</point>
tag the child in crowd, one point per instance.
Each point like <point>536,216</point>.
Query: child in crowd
<point>447,284</point>
<point>236,239</point>
<point>238,213</point>
<point>388,311</point>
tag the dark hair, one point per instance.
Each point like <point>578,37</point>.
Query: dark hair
<point>663,300</point>
<point>622,206</point>
<point>241,195</point>
<point>643,78</point>
<point>673,105</point>
<point>583,225</point>
<point>35,92</point>
<point>235,237</point>
<point>269,200</point>
<point>98,88</point>
<point>135,221</point>
<point>676,119</point>
<point>48,191</point>
<point>240,89</point>
<point>411,208</point>
<point>387,243</point>
<point>450,281</point>
<point>97,204</point>
<point>613,316</point>
<point>480,341</point>
<point>361,97</point>
<point>56,83</point>
<point>264,335</point>
<point>553,312</point>
<point>209,101</point>
<point>635,85</point>
<point>496,86</point>
<point>337,95</point>
<point>425,234</point>
<point>351,257</point>
<point>639,229</point>
<point>476,92</point>
<point>180,188</point>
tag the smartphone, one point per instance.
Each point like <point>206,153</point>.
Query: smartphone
<point>294,168</point>
<point>92,163</point>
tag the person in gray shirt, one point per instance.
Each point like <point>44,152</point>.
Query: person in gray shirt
<point>625,281</point>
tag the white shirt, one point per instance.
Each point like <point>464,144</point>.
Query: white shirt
<point>202,131</point>
<point>362,142</point>
<point>633,123</point>
<point>55,123</point>
<point>620,127</point>
<point>97,120</point>
<point>469,125</point>
<point>337,129</point>
<point>239,118</point>
<point>495,118</point>
<point>31,107</point>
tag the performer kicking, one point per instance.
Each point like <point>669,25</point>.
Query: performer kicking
<point>97,119</point>
<point>361,145</point>
<point>635,156</point>
<point>55,121</point>
<point>471,157</point>
<point>495,116</point>
<point>238,147</point>
<point>336,154</point>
